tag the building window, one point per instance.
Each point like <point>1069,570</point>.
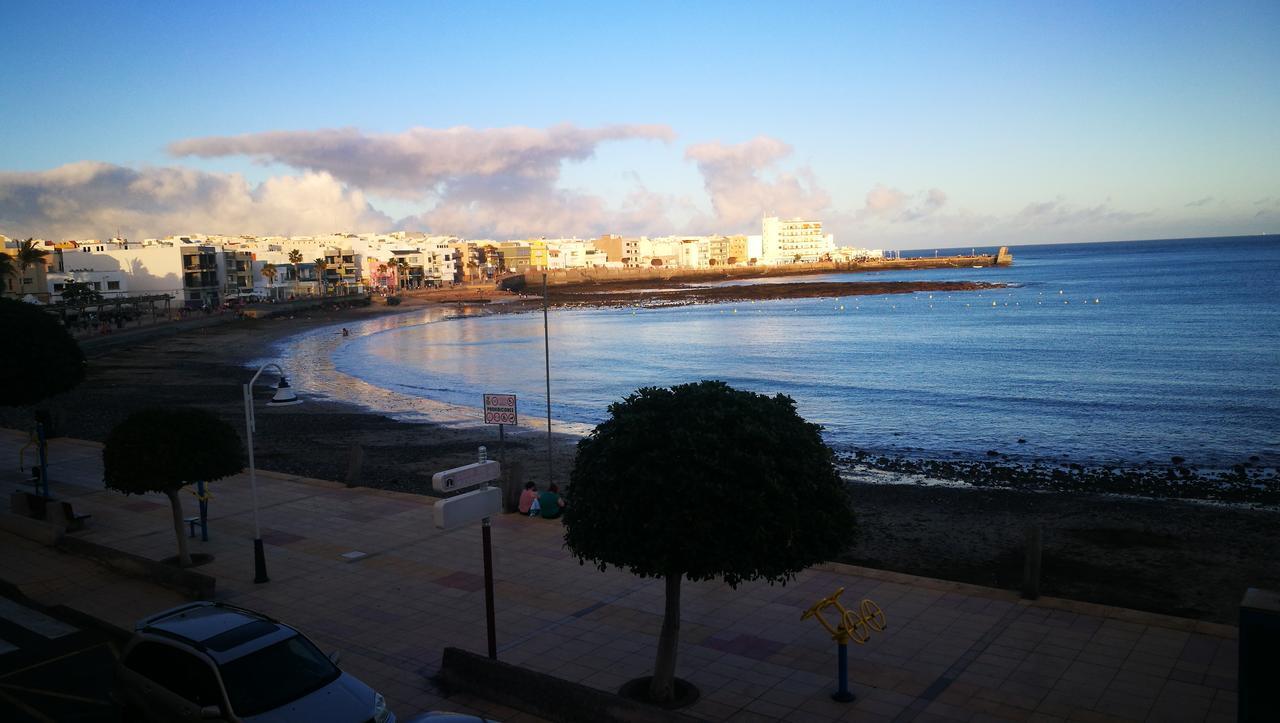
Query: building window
<point>57,288</point>
<point>113,286</point>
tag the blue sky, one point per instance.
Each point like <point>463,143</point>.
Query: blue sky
<point>898,124</point>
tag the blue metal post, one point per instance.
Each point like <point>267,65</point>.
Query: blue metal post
<point>204,512</point>
<point>43,445</point>
<point>843,695</point>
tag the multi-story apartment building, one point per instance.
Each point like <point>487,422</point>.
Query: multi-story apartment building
<point>741,250</point>
<point>628,250</point>
<point>190,272</point>
<point>516,255</point>
<point>237,273</point>
<point>794,240</point>
<point>342,270</point>
<point>717,250</point>
<point>32,280</point>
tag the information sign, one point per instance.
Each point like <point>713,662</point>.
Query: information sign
<point>467,508</point>
<point>499,409</point>
<point>470,475</point>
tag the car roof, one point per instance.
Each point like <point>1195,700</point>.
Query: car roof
<point>224,632</point>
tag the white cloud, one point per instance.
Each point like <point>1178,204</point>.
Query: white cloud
<point>89,199</point>
<point>1059,212</point>
<point>735,178</point>
<point>893,205</point>
<point>497,182</point>
<point>422,162</point>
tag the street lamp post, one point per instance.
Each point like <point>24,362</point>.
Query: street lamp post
<point>284,397</point>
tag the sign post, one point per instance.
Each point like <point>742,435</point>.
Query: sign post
<point>478,504</point>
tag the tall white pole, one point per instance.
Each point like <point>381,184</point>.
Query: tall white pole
<point>253,473</point>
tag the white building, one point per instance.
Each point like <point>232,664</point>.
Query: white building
<point>791,240</point>
<point>187,271</point>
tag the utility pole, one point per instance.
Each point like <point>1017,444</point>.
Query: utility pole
<point>546,350</point>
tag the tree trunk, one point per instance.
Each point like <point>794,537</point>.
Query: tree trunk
<point>662,689</point>
<point>184,556</point>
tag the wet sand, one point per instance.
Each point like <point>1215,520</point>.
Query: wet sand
<point>1177,557</point>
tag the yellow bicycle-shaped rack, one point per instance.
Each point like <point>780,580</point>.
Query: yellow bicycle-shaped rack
<point>856,625</point>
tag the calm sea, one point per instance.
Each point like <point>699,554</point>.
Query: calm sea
<point>1106,353</point>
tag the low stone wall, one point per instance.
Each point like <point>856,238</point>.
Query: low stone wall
<point>542,695</point>
<point>258,311</point>
<point>194,585</point>
<point>532,280</point>
<point>44,533</point>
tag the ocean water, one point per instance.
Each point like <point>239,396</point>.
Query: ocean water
<point>1104,353</point>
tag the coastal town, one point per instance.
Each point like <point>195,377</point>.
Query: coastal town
<point>200,271</point>
<point>563,362</point>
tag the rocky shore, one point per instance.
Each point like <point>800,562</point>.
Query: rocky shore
<point>1115,538</point>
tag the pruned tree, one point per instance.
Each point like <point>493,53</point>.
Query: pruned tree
<point>163,450</point>
<point>705,481</point>
<point>80,292</point>
<point>38,358</point>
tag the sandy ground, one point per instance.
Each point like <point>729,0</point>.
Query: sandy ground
<point>1183,558</point>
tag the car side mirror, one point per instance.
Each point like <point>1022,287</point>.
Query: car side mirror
<point>211,712</point>
<point>333,657</point>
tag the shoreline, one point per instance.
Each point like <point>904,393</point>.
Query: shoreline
<point>1175,557</point>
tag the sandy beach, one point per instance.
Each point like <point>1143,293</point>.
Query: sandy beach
<point>1178,557</point>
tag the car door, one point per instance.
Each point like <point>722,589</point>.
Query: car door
<point>168,683</point>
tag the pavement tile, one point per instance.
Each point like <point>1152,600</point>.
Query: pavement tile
<point>951,652</point>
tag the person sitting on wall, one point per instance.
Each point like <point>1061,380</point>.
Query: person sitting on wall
<point>528,497</point>
<point>550,503</point>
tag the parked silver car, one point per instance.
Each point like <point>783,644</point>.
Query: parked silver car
<point>211,661</point>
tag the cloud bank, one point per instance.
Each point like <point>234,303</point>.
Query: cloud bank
<point>91,200</point>
<point>505,183</point>
<point>422,162</point>
<point>500,182</point>
<point>892,205</point>
<point>741,191</point>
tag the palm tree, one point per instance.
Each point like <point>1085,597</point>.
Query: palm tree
<point>28,255</point>
<point>321,267</point>
<point>382,274</point>
<point>295,258</point>
<point>269,273</point>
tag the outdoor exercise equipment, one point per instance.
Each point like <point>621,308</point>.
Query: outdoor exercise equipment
<point>856,625</point>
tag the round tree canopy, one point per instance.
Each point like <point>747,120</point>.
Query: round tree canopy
<point>707,481</point>
<point>38,358</point>
<point>156,450</point>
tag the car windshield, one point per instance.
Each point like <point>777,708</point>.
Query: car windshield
<point>276,675</point>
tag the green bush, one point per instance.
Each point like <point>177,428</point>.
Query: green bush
<point>38,358</point>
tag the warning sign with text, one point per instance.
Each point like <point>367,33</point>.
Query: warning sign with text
<point>499,409</point>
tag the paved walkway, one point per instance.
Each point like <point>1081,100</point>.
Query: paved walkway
<point>366,572</point>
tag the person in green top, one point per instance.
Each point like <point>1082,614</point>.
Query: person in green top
<point>550,503</point>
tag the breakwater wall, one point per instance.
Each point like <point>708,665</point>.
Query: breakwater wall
<point>601,275</point>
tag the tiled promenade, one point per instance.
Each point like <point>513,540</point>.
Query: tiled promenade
<point>951,651</point>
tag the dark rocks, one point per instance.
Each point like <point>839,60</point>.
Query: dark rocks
<point>1243,483</point>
